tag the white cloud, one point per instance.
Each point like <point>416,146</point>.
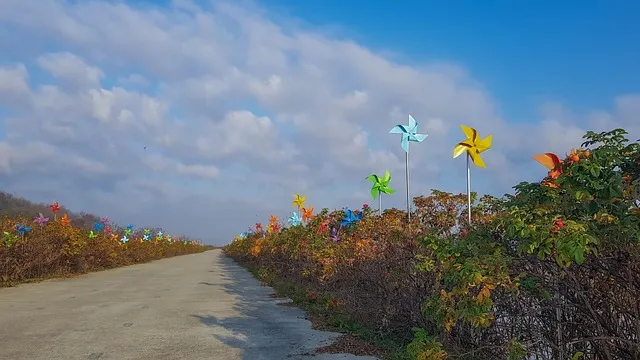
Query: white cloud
<point>226,112</point>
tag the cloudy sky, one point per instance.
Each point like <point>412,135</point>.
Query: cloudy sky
<point>204,117</point>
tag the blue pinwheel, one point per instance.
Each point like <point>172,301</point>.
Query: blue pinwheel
<point>409,133</point>
<point>295,219</point>
<point>98,227</point>
<point>350,218</point>
<point>22,229</point>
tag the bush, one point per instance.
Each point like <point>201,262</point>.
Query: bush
<point>552,271</point>
<point>61,247</point>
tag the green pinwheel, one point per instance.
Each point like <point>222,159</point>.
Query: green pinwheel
<point>380,186</point>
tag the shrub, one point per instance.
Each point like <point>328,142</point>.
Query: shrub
<point>552,271</point>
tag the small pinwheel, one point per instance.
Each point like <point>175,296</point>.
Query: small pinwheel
<point>22,229</point>
<point>55,207</point>
<point>159,234</point>
<point>473,146</point>
<point>124,239</point>
<point>107,229</point>
<point>147,231</point>
<point>92,235</point>
<point>380,186</point>
<point>146,237</point>
<point>298,201</point>
<point>98,227</point>
<point>41,220</point>
<point>168,237</point>
<point>307,213</point>
<point>105,220</point>
<point>128,230</point>
<point>409,133</point>
<point>295,219</point>
<point>64,220</point>
<point>350,218</point>
<point>334,235</point>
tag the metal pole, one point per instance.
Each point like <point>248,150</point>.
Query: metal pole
<point>469,188</point>
<point>407,178</point>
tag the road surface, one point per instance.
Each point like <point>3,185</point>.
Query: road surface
<point>201,306</point>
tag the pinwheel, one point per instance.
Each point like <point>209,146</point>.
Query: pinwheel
<point>22,229</point>
<point>9,238</point>
<point>64,220</point>
<point>98,227</point>
<point>92,235</point>
<point>168,237</point>
<point>552,162</point>
<point>159,234</point>
<point>307,213</point>
<point>298,201</point>
<point>41,220</point>
<point>55,207</point>
<point>334,235</point>
<point>147,231</point>
<point>128,230</point>
<point>107,229</point>
<point>295,219</point>
<point>124,239</point>
<point>146,237</point>
<point>380,186</point>
<point>105,220</point>
<point>473,146</point>
<point>409,133</point>
<point>350,218</point>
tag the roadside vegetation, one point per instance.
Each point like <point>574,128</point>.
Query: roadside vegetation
<point>549,272</point>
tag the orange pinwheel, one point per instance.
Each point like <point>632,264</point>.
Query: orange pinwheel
<point>307,213</point>
<point>552,162</point>
<point>64,220</point>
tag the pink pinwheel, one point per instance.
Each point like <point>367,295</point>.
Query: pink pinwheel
<point>41,220</point>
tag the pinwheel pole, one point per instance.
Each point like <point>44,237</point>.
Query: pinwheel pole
<point>409,133</point>
<point>469,187</point>
<point>406,174</point>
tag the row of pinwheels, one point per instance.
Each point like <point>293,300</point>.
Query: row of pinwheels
<point>473,146</point>
<point>104,226</point>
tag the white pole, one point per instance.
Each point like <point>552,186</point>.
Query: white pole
<point>469,188</point>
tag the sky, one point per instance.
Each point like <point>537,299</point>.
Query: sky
<point>204,117</point>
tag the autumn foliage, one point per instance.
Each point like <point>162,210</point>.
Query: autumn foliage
<point>551,272</point>
<point>56,245</point>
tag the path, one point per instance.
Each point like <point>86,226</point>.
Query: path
<point>201,306</point>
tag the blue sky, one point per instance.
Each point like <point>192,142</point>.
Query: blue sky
<point>241,104</point>
<point>524,52</point>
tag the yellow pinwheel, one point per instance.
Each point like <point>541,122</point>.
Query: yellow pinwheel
<point>298,201</point>
<point>473,145</point>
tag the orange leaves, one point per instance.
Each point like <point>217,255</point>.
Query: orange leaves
<point>485,293</point>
